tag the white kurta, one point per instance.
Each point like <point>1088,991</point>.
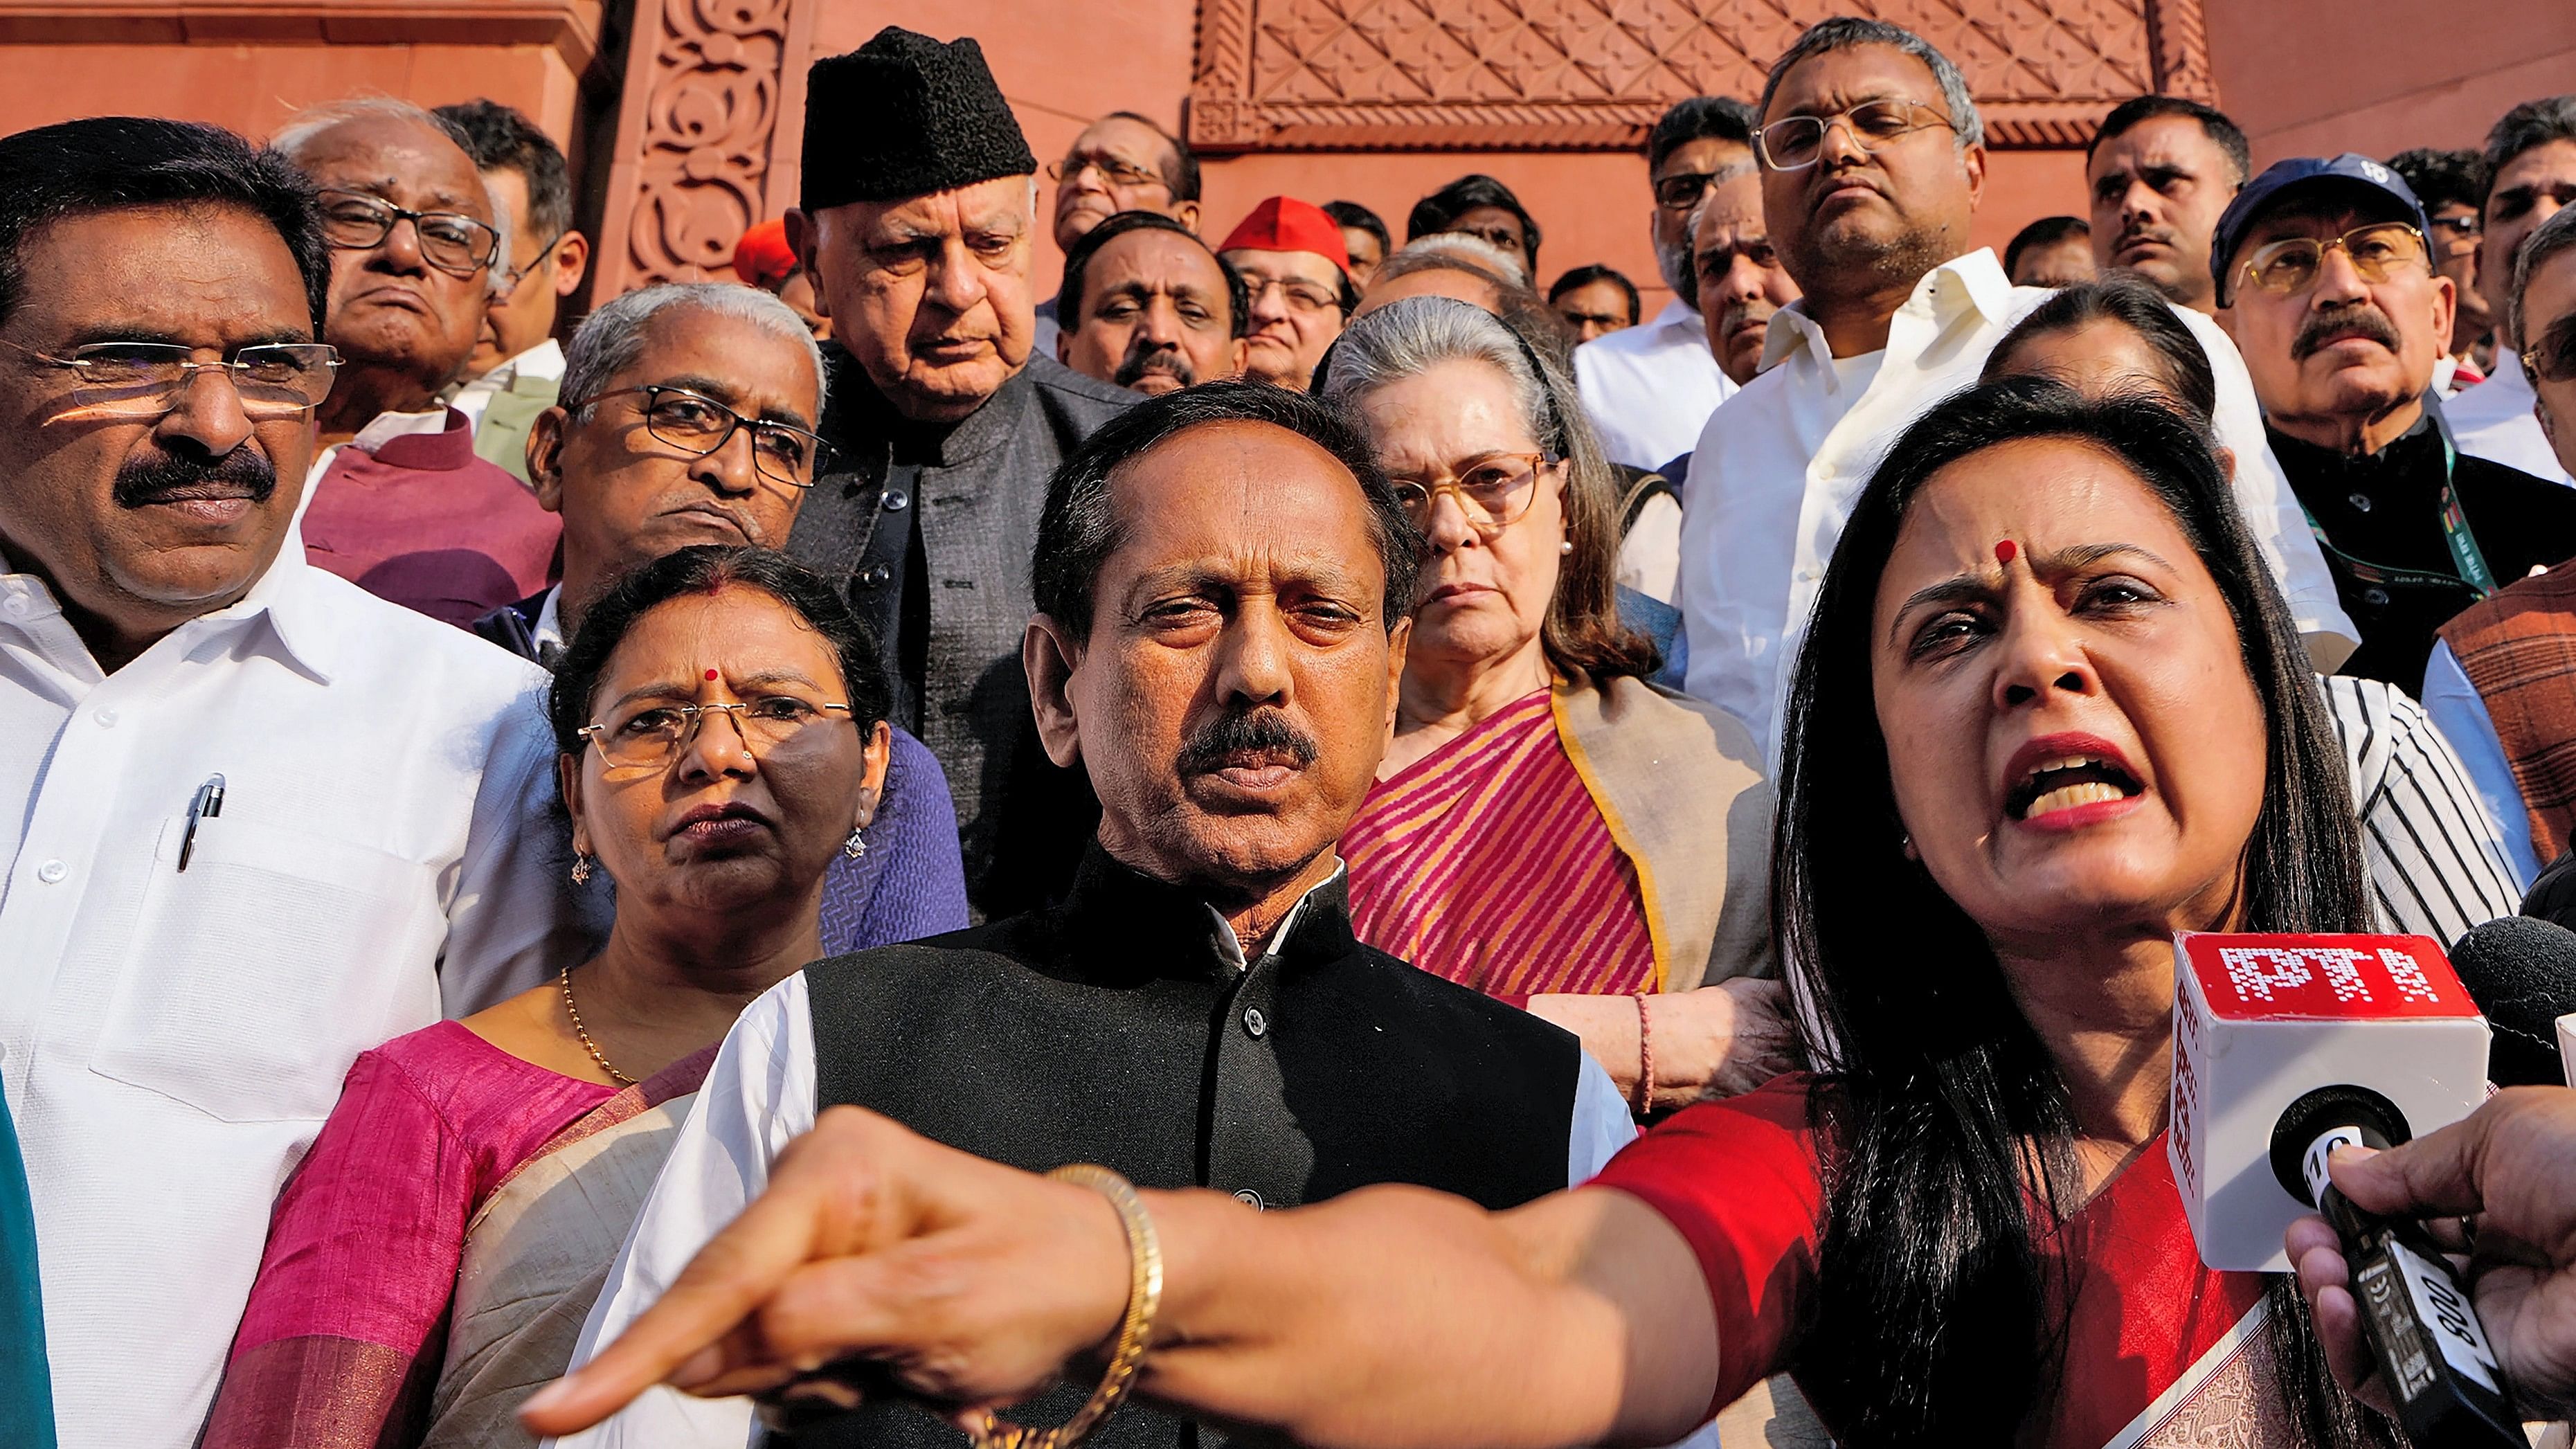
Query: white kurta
<point>2494,421</point>
<point>1650,388</point>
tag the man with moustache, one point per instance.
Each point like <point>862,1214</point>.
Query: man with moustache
<point>1120,163</point>
<point>1297,277</point>
<point>2324,278</point>
<point>1224,579</point>
<point>687,418</point>
<point>1149,307</point>
<point>2531,174</point>
<point>257,820</point>
<point>1650,389</point>
<point>1873,161</point>
<point>401,505</point>
<point>2160,169</point>
<point>918,220</point>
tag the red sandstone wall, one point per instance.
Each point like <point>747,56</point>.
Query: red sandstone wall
<point>2305,77</point>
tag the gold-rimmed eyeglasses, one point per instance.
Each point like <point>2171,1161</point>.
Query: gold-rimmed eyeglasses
<point>1493,491</point>
<point>698,425</point>
<point>650,732</point>
<point>1794,142</point>
<point>2291,264</point>
<point>274,380</point>
<point>451,241</point>
<point>1112,170</point>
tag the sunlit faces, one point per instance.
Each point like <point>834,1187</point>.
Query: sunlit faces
<point>1155,315</point>
<point>1296,313</point>
<point>1859,221</point>
<point>543,270</point>
<point>1237,684</point>
<point>2526,191</point>
<point>2158,189</point>
<point>1487,594</point>
<point>628,497</point>
<point>141,522</point>
<point>1115,165</point>
<point>930,294</point>
<point>722,826</point>
<point>1741,280</point>
<point>2345,349</point>
<point>389,307</point>
<point>2072,736</point>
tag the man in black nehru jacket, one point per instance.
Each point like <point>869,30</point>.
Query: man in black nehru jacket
<point>1224,591</point>
<point>917,223</point>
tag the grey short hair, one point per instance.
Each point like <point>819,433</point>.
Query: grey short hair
<point>2549,239</point>
<point>610,340</point>
<point>2528,126</point>
<point>301,129</point>
<point>1510,266</point>
<point>1846,31</point>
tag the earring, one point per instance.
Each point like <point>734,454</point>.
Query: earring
<point>580,868</point>
<point>857,844</point>
<point>1566,547</point>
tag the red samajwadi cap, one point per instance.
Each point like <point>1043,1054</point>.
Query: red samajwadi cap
<point>762,258</point>
<point>1285,224</point>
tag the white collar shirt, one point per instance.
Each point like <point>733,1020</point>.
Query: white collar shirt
<point>171,1041</point>
<point>759,1096</point>
<point>549,626</point>
<point>1650,388</point>
<point>2493,420</point>
<point>1780,465</point>
<point>544,361</point>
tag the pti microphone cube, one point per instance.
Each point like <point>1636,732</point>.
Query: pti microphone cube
<point>2262,1020</point>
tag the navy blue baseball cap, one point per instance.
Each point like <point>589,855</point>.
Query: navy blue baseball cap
<point>2301,173</point>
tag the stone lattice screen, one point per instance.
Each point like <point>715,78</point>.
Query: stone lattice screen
<point>1593,74</point>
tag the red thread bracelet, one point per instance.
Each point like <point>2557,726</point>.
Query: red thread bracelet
<point>1645,1057</point>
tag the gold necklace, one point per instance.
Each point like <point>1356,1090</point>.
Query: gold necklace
<point>565,975</point>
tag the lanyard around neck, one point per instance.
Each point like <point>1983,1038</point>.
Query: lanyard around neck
<point>2466,556</point>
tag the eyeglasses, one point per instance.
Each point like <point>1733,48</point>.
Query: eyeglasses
<point>454,243</point>
<point>1501,237</point>
<point>2458,226</point>
<point>1112,170</point>
<point>146,379</point>
<point>1494,491</point>
<point>1300,296</point>
<point>2553,357</point>
<point>649,733</point>
<point>1682,190</point>
<point>2291,264</point>
<point>518,276</point>
<point>698,425</point>
<point>1793,144</point>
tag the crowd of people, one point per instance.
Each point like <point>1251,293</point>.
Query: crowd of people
<point>628,848</point>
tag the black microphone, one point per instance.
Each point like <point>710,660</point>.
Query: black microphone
<point>2521,971</point>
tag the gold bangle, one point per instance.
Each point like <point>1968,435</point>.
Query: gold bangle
<point>1135,1331</point>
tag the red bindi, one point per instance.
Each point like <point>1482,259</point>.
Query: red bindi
<point>712,674</point>
<point>2005,552</point>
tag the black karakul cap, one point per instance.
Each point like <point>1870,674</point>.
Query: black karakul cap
<point>904,116</point>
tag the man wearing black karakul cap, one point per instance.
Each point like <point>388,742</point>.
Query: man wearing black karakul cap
<point>917,222</point>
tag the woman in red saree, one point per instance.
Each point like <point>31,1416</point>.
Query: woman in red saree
<point>1547,826</point>
<point>2052,711</point>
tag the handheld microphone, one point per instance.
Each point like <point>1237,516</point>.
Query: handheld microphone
<point>2521,971</point>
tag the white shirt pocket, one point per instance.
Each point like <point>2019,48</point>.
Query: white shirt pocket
<point>261,971</point>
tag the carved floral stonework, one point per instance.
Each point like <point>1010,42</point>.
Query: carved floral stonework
<point>1594,74</point>
<point>709,73</point>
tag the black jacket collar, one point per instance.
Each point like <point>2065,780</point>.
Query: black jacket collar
<point>1120,925</point>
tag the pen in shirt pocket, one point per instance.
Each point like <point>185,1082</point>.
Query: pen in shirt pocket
<point>204,806</point>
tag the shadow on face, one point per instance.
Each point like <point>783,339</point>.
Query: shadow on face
<point>2158,190</point>
<point>1237,684</point>
<point>2526,191</point>
<point>390,308</point>
<point>1742,280</point>
<point>1156,315</point>
<point>1595,309</point>
<point>738,818</point>
<point>141,522</point>
<point>2549,311</point>
<point>930,294</point>
<point>2073,738</point>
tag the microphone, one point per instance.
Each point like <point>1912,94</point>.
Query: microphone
<point>2521,971</point>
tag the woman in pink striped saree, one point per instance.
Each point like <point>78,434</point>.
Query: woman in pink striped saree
<point>1548,827</point>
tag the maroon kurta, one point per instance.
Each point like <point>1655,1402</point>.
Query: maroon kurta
<point>424,523</point>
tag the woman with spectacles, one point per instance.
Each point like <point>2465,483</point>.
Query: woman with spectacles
<point>722,721</point>
<point>1548,827</point>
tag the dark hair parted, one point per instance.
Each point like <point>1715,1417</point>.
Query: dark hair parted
<point>2214,124</point>
<point>1698,118</point>
<point>1949,1137</point>
<point>1586,276</point>
<point>1442,208</point>
<point>1352,214</point>
<point>2048,231</point>
<point>1077,266</point>
<point>1080,528</point>
<point>2125,300</point>
<point>116,163</point>
<point>2443,178</point>
<point>501,139</point>
<point>706,569</point>
<point>2526,127</point>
